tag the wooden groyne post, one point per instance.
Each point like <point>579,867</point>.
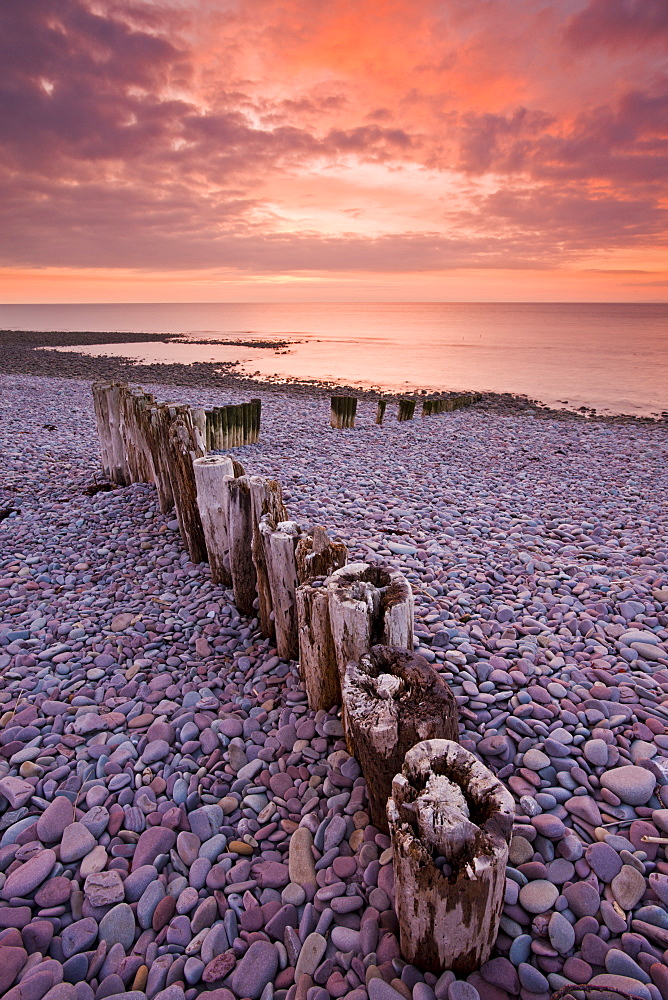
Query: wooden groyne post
<point>406,409</point>
<point>450,823</point>
<point>343,410</point>
<point>393,699</point>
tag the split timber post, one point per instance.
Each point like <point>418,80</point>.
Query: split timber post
<point>447,807</point>
<point>266,500</point>
<point>158,438</point>
<point>211,473</point>
<point>317,556</point>
<point>393,699</point>
<point>107,402</point>
<point>368,605</point>
<point>240,535</point>
<point>185,445</point>
<point>280,541</point>
<point>343,411</point>
<point>406,409</point>
<point>380,410</point>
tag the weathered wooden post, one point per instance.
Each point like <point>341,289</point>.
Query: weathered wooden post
<point>256,418</point>
<point>450,822</point>
<point>393,699</point>
<point>380,410</point>
<point>211,473</point>
<point>343,410</point>
<point>317,557</point>
<point>406,409</point>
<point>100,392</point>
<point>185,445</point>
<point>280,541</point>
<point>368,605</point>
<point>266,501</point>
<point>240,538</point>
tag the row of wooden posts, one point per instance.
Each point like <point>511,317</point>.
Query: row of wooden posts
<point>344,408</point>
<point>350,625</point>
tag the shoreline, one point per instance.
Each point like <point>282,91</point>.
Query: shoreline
<point>32,357</point>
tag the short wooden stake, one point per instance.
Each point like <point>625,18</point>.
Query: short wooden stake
<point>280,542</point>
<point>266,501</point>
<point>368,605</point>
<point>211,474</point>
<point>393,699</point>
<point>380,410</point>
<point>448,807</point>
<point>406,409</point>
<point>343,410</point>
<point>240,534</point>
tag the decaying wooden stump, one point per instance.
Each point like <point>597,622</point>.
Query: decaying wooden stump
<point>100,392</point>
<point>266,501</point>
<point>406,409</point>
<point>368,605</point>
<point>240,536</point>
<point>393,699</point>
<point>280,541</point>
<point>317,556</point>
<point>380,410</point>
<point>107,401</point>
<point>211,473</point>
<point>450,822</point>
<point>343,411</point>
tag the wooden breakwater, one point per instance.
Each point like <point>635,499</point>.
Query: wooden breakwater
<point>351,627</point>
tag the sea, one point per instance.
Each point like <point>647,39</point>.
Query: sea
<point>611,358</point>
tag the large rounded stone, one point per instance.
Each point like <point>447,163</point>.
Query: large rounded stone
<point>634,785</point>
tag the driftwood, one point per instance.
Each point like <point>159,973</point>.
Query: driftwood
<point>317,556</point>
<point>279,542</point>
<point>446,807</point>
<point>406,409</point>
<point>211,474</point>
<point>266,501</point>
<point>368,605</point>
<point>343,411</point>
<point>380,410</point>
<point>393,699</point>
<point>240,536</point>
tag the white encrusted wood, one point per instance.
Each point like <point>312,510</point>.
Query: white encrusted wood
<point>446,804</point>
<point>211,473</point>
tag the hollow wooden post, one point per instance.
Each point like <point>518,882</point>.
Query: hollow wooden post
<point>266,501</point>
<point>447,807</point>
<point>393,699</point>
<point>368,605</point>
<point>280,542</point>
<point>240,534</point>
<point>317,556</point>
<point>211,473</point>
<point>380,410</point>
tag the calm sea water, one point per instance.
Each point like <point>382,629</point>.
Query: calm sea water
<point>611,357</point>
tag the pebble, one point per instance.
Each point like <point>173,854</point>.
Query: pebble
<point>133,673</point>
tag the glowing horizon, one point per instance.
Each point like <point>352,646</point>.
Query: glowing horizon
<point>376,150</point>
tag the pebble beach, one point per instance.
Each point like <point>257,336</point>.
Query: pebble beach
<point>175,821</point>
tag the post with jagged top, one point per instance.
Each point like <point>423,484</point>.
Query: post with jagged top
<point>393,699</point>
<point>450,824</point>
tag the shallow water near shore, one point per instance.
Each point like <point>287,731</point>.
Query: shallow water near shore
<point>610,357</point>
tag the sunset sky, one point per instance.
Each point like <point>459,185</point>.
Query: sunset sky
<point>205,150</point>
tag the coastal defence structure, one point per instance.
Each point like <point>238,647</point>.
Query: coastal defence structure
<point>350,626</point>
